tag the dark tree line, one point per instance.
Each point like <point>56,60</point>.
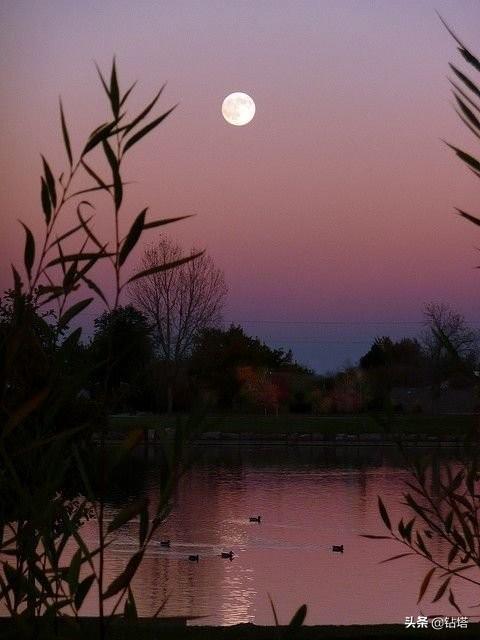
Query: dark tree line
<point>444,355</point>
<point>139,378</point>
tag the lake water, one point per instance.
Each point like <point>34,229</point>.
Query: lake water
<point>309,498</point>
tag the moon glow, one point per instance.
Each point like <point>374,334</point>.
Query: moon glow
<point>238,108</point>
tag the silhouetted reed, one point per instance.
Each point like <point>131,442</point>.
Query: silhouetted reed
<point>53,476</point>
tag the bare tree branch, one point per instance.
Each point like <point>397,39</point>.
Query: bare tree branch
<point>179,303</point>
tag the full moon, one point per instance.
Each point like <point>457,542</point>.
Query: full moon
<point>238,108</point>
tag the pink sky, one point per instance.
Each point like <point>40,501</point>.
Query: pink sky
<point>334,204</point>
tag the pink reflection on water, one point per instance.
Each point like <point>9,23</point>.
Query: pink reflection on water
<point>308,500</point>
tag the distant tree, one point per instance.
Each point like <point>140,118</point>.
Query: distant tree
<point>385,352</point>
<point>320,401</point>
<point>179,303</point>
<point>259,389</point>
<point>44,358</point>
<point>450,344</point>
<point>31,367</point>
<point>348,394</point>
<point>218,354</point>
<point>300,386</point>
<point>122,350</point>
<point>379,354</point>
<point>388,364</point>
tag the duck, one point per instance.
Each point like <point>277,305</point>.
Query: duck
<point>337,548</point>
<point>227,555</point>
<point>194,558</point>
<point>164,543</point>
<point>255,518</point>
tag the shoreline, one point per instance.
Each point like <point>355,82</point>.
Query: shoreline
<point>214,438</point>
<point>319,439</point>
<point>148,629</point>
<point>446,430</point>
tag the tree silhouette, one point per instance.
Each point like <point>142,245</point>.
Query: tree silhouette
<point>179,304</point>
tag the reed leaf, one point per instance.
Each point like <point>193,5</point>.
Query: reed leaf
<point>88,231</point>
<point>114,91</point>
<point>425,583</point>
<point>74,571</point>
<point>83,589</point>
<point>29,251</point>
<point>468,113</point>
<point>160,223</point>
<point>66,137</point>
<point>94,287</point>
<point>117,181</point>
<point>18,285</point>
<point>50,180</point>
<point>127,93</point>
<point>466,157</point>
<point>452,554</point>
<point>102,80</point>
<point>400,555</point>
<point>145,112</point>
<point>124,579</point>
<point>384,514</point>
<point>421,545</point>
<point>408,529</point>
<point>45,198</point>
<point>73,311</point>
<point>469,57</point>
<point>132,237</point>
<point>452,601</point>
<point>143,132</point>
<point>143,529</point>
<point>69,277</point>
<point>67,234</point>
<point>72,339</point>
<point>299,617</point>
<point>163,267</point>
<point>80,257</point>
<point>466,80</point>
<point>97,137</point>
<point>130,609</point>
<point>94,175</point>
<point>442,589</point>
<point>465,96</point>
<point>448,521</point>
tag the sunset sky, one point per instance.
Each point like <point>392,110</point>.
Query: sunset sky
<point>331,213</point>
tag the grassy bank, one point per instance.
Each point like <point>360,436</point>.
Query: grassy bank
<point>152,630</point>
<point>294,423</point>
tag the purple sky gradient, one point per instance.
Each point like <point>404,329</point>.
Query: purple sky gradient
<point>334,204</point>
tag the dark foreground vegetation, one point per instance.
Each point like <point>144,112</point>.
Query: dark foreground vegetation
<point>51,478</point>
<point>155,630</point>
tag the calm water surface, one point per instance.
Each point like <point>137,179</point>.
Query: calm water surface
<point>309,498</point>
